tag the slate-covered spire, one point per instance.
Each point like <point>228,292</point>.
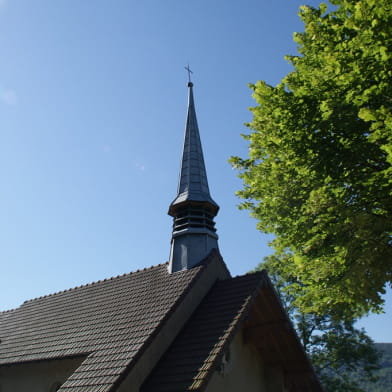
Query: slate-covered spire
<point>192,184</point>
<point>194,234</point>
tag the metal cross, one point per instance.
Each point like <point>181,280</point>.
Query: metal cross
<point>189,73</point>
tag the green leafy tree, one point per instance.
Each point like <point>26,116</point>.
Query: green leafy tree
<point>344,358</point>
<point>319,171</point>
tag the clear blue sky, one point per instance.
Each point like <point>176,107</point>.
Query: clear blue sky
<point>92,112</point>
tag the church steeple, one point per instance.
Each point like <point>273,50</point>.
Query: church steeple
<point>194,234</point>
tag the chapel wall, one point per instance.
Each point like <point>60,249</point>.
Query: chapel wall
<point>242,369</point>
<point>42,376</point>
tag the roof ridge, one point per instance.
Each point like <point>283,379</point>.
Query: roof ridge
<point>88,284</point>
<point>214,253</point>
<point>261,272</point>
<point>7,310</point>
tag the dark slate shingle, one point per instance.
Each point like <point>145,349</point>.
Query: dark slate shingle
<point>189,362</point>
<point>109,322</point>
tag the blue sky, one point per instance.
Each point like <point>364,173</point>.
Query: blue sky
<point>92,112</point>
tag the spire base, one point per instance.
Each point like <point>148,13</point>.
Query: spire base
<point>189,249</point>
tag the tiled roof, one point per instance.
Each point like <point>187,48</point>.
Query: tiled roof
<point>249,302</point>
<point>189,362</point>
<point>109,322</point>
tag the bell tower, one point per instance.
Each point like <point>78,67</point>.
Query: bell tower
<point>193,210</point>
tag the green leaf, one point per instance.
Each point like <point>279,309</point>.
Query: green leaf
<point>319,175</point>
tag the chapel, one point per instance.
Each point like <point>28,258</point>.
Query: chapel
<point>184,325</point>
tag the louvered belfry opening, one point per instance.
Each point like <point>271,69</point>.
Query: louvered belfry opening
<point>193,217</point>
<point>193,210</point>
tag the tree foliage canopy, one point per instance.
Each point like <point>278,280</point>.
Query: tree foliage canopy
<point>319,171</point>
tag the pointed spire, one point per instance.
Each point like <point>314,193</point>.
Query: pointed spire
<point>193,183</point>
<point>194,234</point>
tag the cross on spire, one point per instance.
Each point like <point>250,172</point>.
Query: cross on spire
<point>189,73</point>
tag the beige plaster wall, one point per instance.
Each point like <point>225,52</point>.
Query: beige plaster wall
<point>243,370</point>
<point>36,376</point>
